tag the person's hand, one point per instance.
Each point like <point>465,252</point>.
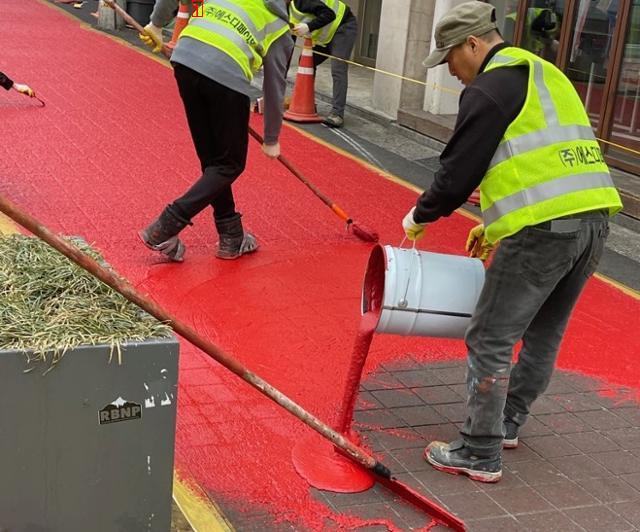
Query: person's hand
<point>413,230</point>
<point>301,30</point>
<point>152,37</point>
<point>271,150</point>
<point>24,89</point>
<point>477,245</point>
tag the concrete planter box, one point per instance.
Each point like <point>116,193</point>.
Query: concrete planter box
<point>89,446</point>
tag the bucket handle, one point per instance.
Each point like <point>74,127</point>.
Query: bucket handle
<point>403,303</point>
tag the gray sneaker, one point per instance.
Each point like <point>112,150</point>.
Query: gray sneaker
<point>333,120</point>
<point>511,429</point>
<point>456,458</point>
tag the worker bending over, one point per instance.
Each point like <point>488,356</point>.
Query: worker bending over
<point>523,135</point>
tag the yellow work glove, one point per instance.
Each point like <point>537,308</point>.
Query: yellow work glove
<point>477,245</point>
<point>271,150</point>
<point>152,37</point>
<point>24,89</point>
<point>413,230</point>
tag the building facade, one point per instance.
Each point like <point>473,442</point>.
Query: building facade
<point>595,42</point>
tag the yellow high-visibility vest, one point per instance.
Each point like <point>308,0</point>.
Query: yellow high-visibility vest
<point>243,29</point>
<point>548,163</point>
<point>321,36</point>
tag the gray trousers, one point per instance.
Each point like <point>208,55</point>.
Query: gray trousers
<point>529,293</point>
<point>340,46</point>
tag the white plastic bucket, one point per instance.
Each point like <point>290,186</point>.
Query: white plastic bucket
<point>418,293</point>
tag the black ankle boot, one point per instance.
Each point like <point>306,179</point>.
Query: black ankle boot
<point>161,235</point>
<point>233,242</point>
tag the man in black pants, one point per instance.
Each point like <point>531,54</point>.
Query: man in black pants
<point>214,62</point>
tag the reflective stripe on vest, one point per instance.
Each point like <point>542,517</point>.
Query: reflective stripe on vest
<point>321,36</point>
<point>243,29</point>
<point>548,163</point>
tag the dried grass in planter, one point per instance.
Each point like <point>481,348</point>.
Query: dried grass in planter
<point>49,305</point>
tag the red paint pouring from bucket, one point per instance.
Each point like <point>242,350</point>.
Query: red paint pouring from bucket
<point>316,459</point>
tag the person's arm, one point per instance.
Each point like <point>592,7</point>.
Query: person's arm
<point>5,81</point>
<point>323,14</point>
<point>481,124</point>
<point>163,12</point>
<point>275,82</point>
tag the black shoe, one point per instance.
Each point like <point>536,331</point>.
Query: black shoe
<point>510,434</point>
<point>456,458</point>
<point>333,120</point>
<point>161,235</point>
<point>234,241</point>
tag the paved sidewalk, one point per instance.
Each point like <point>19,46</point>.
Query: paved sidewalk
<point>577,466</point>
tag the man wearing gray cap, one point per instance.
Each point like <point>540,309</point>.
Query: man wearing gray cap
<point>523,136</point>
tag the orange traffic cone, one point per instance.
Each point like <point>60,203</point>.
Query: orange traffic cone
<point>303,105</point>
<point>182,19</point>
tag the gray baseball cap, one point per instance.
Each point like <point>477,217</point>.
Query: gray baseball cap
<point>470,18</point>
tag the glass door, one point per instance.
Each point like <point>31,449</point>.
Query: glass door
<point>369,20</point>
<point>625,126</point>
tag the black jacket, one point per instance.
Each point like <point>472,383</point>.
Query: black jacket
<point>323,13</point>
<point>487,107</point>
<point>5,81</point>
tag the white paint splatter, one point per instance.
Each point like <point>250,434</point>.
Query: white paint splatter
<point>148,464</point>
<point>166,401</point>
<point>145,386</point>
<point>119,402</point>
<point>150,402</point>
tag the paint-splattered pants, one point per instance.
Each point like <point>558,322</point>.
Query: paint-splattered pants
<point>529,293</point>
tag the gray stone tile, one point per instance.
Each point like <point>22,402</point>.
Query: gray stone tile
<point>591,442</point>
<point>417,378</point>
<point>399,397</point>
<point>533,427</point>
<point>344,500</point>
<point>609,489</point>
<point>381,381</point>
<point>603,419</point>
<point>520,453</point>
<point>407,363</point>
<point>628,437</point>
<point>377,419</point>
<point>443,483</point>
<point>433,395</point>
<point>629,511</point>
<point>548,522</point>
<point>411,459</point>
<point>419,415</point>
<point>546,405</point>
<point>535,472</point>
<point>582,383</point>
<point>380,510</point>
<point>520,499</point>
<point>455,375</point>
<point>633,480</point>
<point>509,480</point>
<point>563,422</point>
<point>566,494</point>
<point>494,524</point>
<point>399,438</point>
<point>632,415</point>
<point>580,467</point>
<point>551,446</point>
<point>454,412</point>
<point>599,518</point>
<point>618,462</point>
<point>558,385</point>
<point>472,505</point>
<point>576,402</point>
<point>442,432</point>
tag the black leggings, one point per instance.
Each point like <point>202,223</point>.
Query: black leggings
<point>219,123</point>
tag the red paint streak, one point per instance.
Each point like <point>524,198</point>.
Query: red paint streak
<point>289,312</point>
<point>360,351</point>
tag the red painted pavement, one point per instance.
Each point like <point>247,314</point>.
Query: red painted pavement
<point>111,148</point>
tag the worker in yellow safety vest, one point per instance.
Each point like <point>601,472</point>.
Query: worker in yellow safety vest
<point>333,29</point>
<point>523,135</point>
<point>214,61</point>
